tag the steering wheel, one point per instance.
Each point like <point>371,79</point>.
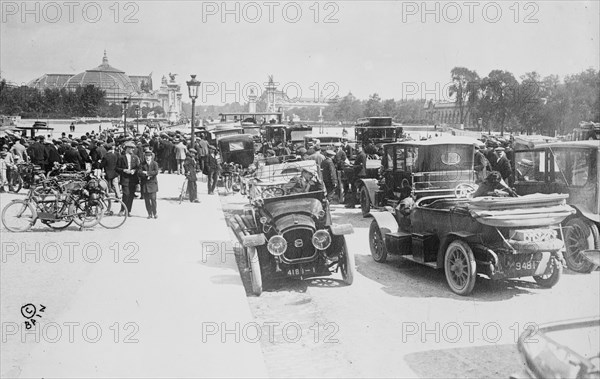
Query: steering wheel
<point>270,192</point>
<point>464,190</point>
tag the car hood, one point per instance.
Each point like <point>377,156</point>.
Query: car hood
<point>300,206</point>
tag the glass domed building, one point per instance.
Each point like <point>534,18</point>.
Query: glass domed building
<point>112,80</point>
<point>117,85</point>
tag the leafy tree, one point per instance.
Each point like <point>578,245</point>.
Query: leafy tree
<point>465,88</point>
<point>373,107</point>
<point>498,97</point>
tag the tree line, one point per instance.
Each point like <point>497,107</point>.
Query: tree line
<point>87,101</point>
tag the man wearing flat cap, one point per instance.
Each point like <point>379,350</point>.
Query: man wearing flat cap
<point>109,164</point>
<point>53,156</point>
<point>126,167</point>
<point>305,182</point>
<point>329,174</point>
<point>502,164</point>
<point>190,172</point>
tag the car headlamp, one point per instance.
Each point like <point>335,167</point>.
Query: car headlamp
<point>321,239</point>
<point>277,245</point>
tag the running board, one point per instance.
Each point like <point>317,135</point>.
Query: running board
<point>410,258</point>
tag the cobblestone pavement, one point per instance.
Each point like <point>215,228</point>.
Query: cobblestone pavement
<point>399,319</point>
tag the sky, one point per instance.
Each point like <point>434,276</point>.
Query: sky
<point>398,49</point>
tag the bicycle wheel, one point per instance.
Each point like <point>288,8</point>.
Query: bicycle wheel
<point>17,182</point>
<point>114,213</point>
<point>183,190</point>
<point>86,214</point>
<point>18,216</point>
<point>56,208</point>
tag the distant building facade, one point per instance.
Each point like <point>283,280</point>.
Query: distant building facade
<point>448,113</point>
<point>117,85</point>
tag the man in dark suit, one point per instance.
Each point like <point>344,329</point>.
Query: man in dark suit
<point>37,153</point>
<point>213,169</point>
<point>329,174</point>
<point>127,167</point>
<point>72,156</point>
<point>109,164</point>
<point>83,153</point>
<point>359,172</point>
<point>502,164</point>
<point>52,155</point>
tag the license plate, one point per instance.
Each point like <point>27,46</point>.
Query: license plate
<point>526,266</point>
<point>299,271</point>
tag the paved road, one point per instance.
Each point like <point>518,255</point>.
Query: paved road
<point>399,319</point>
<point>150,299</point>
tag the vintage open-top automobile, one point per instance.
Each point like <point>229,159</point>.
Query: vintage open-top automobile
<point>571,168</point>
<point>500,237</point>
<point>287,234</point>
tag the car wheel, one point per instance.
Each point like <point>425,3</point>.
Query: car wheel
<point>549,280</point>
<point>365,202</point>
<point>580,235</point>
<point>255,275</point>
<point>347,264</point>
<point>460,267</point>
<point>376,243</point>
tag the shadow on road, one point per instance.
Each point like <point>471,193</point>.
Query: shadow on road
<point>494,361</point>
<point>404,278</point>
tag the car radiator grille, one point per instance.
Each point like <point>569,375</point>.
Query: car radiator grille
<point>299,244</point>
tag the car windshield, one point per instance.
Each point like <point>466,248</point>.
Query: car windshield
<point>572,166</point>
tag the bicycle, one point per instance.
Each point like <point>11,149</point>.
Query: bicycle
<point>56,205</point>
<point>183,190</point>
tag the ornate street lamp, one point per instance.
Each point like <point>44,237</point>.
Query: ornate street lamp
<point>125,102</point>
<point>193,85</point>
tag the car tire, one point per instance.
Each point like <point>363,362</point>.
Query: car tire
<point>347,264</point>
<point>580,234</point>
<point>460,268</point>
<point>365,202</point>
<point>549,281</point>
<point>255,274</point>
<point>376,243</point>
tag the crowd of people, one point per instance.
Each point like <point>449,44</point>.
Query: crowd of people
<point>130,164</point>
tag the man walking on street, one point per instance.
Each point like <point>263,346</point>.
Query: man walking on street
<point>127,168</point>
<point>190,172</point>
<point>213,169</point>
<point>180,154</point>
<point>109,164</point>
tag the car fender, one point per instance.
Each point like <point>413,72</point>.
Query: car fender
<point>386,222</point>
<point>372,186</point>
<point>446,239</point>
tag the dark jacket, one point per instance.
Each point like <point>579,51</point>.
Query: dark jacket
<point>72,156</point>
<point>109,164</point>
<point>329,173</point>
<point>148,181</point>
<point>190,168</point>
<point>37,153</point>
<point>503,167</point>
<point>128,179</point>
<point>360,165</point>
<point>53,156</point>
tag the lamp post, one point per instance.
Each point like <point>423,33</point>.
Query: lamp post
<point>125,102</point>
<point>193,85</point>
<point>138,114</point>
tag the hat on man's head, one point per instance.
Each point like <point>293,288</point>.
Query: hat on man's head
<point>307,170</point>
<point>302,151</point>
<point>193,151</point>
<point>330,153</point>
<point>129,144</point>
<point>148,153</point>
<point>337,144</point>
<point>499,149</point>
